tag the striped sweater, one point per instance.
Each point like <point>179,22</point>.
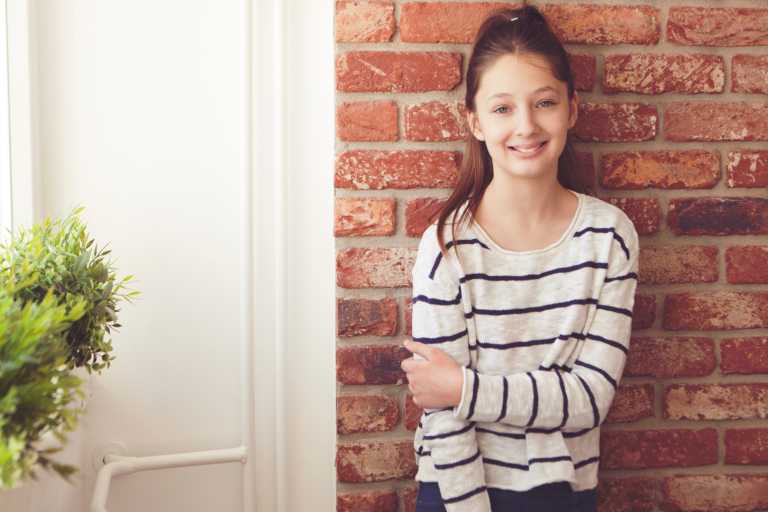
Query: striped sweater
<point>542,336</point>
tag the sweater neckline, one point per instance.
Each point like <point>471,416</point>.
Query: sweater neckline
<point>566,236</point>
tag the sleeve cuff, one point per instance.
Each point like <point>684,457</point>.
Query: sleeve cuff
<point>461,410</point>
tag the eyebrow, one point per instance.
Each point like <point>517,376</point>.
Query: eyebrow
<point>540,89</point>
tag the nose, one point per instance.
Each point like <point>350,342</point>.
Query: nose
<point>526,123</point>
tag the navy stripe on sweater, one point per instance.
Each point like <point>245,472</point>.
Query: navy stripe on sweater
<point>535,399</point>
<point>533,277</point>
<point>510,435</point>
<point>442,339</point>
<point>531,343</point>
<point>534,309</point>
<point>460,462</point>
<point>600,371</point>
<point>616,236</point>
<point>503,464</point>
<point>608,342</point>
<point>465,496</point>
<point>592,402</point>
<point>439,257</point>
<point>450,434</point>
<point>585,462</point>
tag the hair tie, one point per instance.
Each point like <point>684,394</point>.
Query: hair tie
<point>513,19</point>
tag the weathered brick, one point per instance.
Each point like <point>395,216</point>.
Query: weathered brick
<point>701,26</point>
<point>630,403</point>
<point>615,122</point>
<point>747,264</point>
<point>365,413</point>
<point>651,73</point>
<point>670,264</point>
<point>366,502</point>
<point>636,494</point>
<point>410,496</point>
<point>418,213</point>
<point>715,401</point>
<point>718,216</point>
<point>746,446</point>
<point>375,462</point>
<point>584,68</point>
<point>604,24</point>
<point>375,268</point>
<point>371,364</point>
<point>643,311</point>
<point>364,216</point>
<point>371,169</point>
<point>397,71</point>
<point>634,449</point>
<point>716,121</point>
<point>365,317</point>
<point>747,168</point>
<point>408,315</point>
<point>587,161</point>
<point>635,170</point>
<point>643,212</point>
<point>364,22</point>
<point>744,355</point>
<point>716,310</point>
<point>438,22</point>
<point>367,121</point>
<point>436,121</point>
<point>670,357</point>
<point>749,73</point>
<point>714,493</point>
<point>412,413</point>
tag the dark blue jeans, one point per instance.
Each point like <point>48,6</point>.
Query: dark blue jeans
<point>554,497</point>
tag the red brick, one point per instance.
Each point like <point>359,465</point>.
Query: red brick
<point>418,213</point>
<point>367,121</point>
<point>714,493</point>
<point>747,168</point>
<point>397,71</point>
<point>635,170</point>
<point>631,403</point>
<point>643,212</point>
<point>364,22</point>
<point>441,22</point>
<point>634,449</point>
<point>716,121</point>
<point>749,74</point>
<point>364,216</point>
<point>701,26</point>
<point>584,68</point>
<point>716,310</point>
<point>643,311</point>
<point>366,502</point>
<point>716,401</point>
<point>587,162</point>
<point>375,462</point>
<point>412,413</point>
<point>372,364</point>
<point>375,268</point>
<point>436,121</point>
<point>410,496</point>
<point>615,122</point>
<point>365,413</point>
<point>650,73</point>
<point>408,315</point>
<point>747,264</point>
<point>669,264</point>
<point>365,317</point>
<point>746,446</point>
<point>604,24</point>
<point>744,355</point>
<point>718,216</point>
<point>636,494</point>
<point>364,169</point>
<point>670,357</point>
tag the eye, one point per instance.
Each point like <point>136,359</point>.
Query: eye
<point>501,110</point>
<point>547,101</point>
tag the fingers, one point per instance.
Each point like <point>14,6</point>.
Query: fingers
<point>419,348</point>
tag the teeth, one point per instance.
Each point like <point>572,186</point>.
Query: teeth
<point>531,150</point>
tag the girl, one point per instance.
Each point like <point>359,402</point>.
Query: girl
<point>523,294</point>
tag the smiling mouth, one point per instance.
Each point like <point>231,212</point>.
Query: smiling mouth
<point>529,150</point>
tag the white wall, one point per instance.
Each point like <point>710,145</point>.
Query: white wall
<point>139,112</point>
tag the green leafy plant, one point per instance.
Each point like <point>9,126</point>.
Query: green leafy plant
<point>65,258</point>
<point>36,388</point>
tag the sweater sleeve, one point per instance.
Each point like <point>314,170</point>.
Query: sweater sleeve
<point>576,400</point>
<point>439,321</point>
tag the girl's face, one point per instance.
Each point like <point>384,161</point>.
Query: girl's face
<point>523,114</point>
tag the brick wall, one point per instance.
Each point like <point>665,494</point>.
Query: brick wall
<point>674,122</point>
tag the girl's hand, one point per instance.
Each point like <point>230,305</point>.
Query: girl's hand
<point>435,383</point>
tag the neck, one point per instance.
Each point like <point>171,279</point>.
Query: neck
<point>528,202</point>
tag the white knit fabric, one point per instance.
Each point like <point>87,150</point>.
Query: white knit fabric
<point>542,336</point>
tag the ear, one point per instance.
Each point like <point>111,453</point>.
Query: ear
<point>474,125</point>
<point>573,112</point>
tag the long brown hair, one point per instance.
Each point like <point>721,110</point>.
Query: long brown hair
<point>498,36</point>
